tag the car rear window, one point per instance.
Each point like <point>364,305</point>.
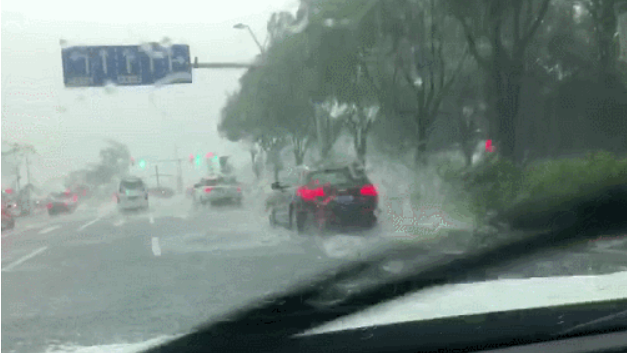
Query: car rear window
<point>210,182</point>
<point>334,177</point>
<point>132,184</point>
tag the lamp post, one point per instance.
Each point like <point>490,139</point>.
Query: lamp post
<point>243,26</point>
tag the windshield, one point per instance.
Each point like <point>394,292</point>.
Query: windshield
<point>189,136</point>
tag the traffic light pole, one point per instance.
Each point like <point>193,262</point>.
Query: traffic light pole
<point>179,177</point>
<point>197,65</point>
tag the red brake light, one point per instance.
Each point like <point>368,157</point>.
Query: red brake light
<point>239,189</point>
<point>369,190</point>
<point>75,198</point>
<point>310,194</point>
<point>49,205</point>
<point>208,190</point>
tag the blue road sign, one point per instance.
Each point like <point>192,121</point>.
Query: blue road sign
<point>131,65</point>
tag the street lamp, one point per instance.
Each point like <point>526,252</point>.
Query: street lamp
<point>243,26</point>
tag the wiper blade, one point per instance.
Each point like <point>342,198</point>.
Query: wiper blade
<point>265,324</point>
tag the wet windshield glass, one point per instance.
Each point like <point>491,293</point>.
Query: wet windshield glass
<point>188,135</point>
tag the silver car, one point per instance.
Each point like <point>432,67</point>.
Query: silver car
<point>217,189</point>
<point>132,195</point>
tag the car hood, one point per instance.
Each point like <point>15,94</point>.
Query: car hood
<point>445,301</point>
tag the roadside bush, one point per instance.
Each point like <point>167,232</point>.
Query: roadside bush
<point>497,185</point>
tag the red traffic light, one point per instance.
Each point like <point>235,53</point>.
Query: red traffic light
<point>191,158</point>
<point>209,155</point>
<point>132,161</point>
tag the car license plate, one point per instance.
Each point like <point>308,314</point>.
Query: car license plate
<point>344,199</point>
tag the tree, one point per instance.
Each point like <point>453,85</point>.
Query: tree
<point>385,50</point>
<point>359,122</point>
<point>274,101</point>
<point>114,162</point>
<point>498,34</point>
<point>330,118</point>
<point>604,14</point>
<point>428,55</point>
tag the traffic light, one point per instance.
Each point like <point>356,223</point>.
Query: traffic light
<point>198,160</point>
<point>209,155</point>
<point>132,161</point>
<point>142,163</point>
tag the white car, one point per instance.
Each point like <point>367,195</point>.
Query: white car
<point>132,194</point>
<point>217,189</point>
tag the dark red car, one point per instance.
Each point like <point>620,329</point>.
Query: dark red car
<point>328,196</point>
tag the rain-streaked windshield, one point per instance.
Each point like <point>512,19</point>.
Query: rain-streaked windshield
<point>187,135</point>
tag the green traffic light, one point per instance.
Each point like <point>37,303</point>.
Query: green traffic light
<point>142,164</point>
<point>198,160</point>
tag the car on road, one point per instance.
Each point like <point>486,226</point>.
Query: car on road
<point>340,195</point>
<point>8,221</point>
<point>132,195</point>
<point>62,202</point>
<point>217,189</point>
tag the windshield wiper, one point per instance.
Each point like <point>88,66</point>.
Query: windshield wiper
<point>263,325</point>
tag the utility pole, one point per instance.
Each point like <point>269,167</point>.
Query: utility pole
<point>157,173</point>
<point>17,173</point>
<point>27,170</point>
<point>179,177</point>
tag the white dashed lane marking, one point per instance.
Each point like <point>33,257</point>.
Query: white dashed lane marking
<point>156,249</point>
<point>24,259</point>
<point>49,229</point>
<point>88,224</point>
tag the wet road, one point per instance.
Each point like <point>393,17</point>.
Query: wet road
<point>96,277</point>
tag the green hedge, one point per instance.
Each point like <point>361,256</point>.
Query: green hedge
<point>498,184</point>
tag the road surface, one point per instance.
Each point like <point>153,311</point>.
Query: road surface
<point>95,277</point>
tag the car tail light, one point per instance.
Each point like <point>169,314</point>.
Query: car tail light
<point>49,205</point>
<point>369,190</point>
<point>75,198</point>
<point>208,190</point>
<point>239,189</point>
<point>310,194</point>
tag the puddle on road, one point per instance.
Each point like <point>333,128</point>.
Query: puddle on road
<point>221,241</point>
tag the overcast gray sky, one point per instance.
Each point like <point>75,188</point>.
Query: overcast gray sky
<point>68,126</point>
